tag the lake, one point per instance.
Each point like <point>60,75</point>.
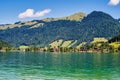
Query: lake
<point>59,66</point>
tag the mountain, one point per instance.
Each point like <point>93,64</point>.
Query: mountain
<point>44,32</point>
<point>4,44</point>
<point>100,24</point>
<point>37,23</point>
<point>33,24</point>
<point>77,17</point>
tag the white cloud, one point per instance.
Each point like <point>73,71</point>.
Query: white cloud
<point>30,13</point>
<point>114,2</point>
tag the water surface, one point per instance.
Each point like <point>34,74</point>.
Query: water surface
<point>59,66</point>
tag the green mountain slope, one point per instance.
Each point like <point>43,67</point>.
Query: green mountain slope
<point>4,44</point>
<point>100,24</point>
<point>41,32</point>
<point>77,17</point>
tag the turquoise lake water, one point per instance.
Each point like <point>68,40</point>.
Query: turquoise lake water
<point>59,66</point>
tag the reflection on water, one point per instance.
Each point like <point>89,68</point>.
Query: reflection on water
<point>59,66</point>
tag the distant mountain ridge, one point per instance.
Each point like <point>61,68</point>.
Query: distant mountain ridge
<point>37,23</point>
<point>77,17</point>
<point>43,32</point>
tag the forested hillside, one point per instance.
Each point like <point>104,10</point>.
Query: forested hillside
<point>41,32</point>
<point>4,44</point>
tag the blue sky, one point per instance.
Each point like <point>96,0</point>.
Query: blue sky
<point>12,11</point>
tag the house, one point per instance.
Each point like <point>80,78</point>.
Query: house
<point>97,40</point>
<point>23,48</point>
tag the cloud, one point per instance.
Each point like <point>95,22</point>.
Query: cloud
<point>114,2</point>
<point>30,13</point>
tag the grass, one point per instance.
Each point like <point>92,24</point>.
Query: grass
<point>56,43</point>
<point>72,44</point>
<point>66,43</point>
